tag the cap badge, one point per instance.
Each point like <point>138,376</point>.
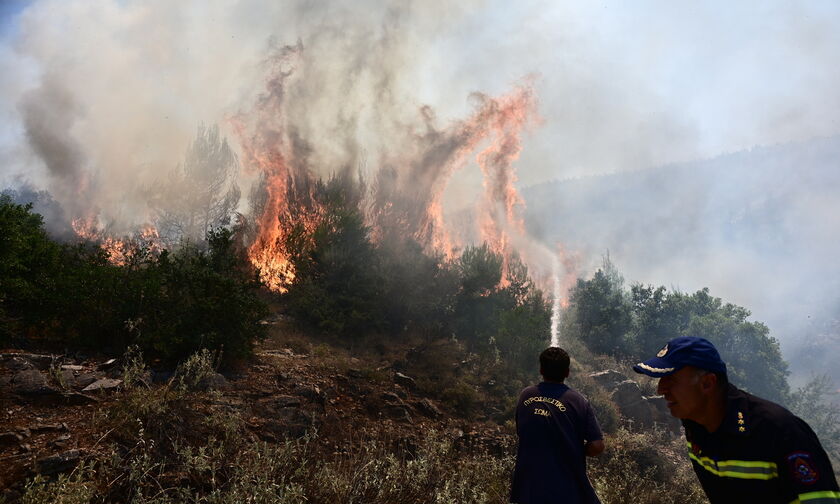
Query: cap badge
<point>663,352</point>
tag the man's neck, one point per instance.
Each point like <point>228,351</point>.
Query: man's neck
<point>562,382</point>
<point>714,412</point>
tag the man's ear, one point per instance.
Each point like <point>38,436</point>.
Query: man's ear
<point>567,373</point>
<point>709,382</point>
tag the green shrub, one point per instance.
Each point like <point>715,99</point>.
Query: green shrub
<point>171,304</point>
<point>461,398</point>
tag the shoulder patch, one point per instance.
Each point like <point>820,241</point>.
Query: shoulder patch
<point>802,468</point>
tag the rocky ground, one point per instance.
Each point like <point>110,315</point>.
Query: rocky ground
<point>52,406</point>
<point>49,406</point>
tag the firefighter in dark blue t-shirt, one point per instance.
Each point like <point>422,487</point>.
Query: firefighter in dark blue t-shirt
<point>557,429</point>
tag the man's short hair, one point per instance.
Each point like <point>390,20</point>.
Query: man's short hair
<point>554,364</point>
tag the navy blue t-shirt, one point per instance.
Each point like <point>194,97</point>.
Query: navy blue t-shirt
<point>552,422</point>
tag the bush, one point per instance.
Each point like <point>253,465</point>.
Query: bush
<point>461,399</point>
<point>645,468</point>
<point>171,305</point>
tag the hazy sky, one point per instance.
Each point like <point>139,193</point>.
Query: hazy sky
<point>622,85</point>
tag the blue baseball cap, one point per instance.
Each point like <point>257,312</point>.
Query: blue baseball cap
<point>681,352</point>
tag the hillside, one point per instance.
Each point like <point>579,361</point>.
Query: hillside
<point>315,423</point>
<point>757,227</point>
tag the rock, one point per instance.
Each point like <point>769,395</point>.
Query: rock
<point>608,378</point>
<point>428,408</point>
<point>312,393</point>
<point>285,401</point>
<point>59,463</point>
<point>31,382</point>
<point>77,399</point>
<point>84,380</point>
<point>404,381</point>
<point>162,376</point>
<point>40,362</point>
<point>213,382</point>
<point>108,364</point>
<point>355,373</point>
<point>401,393</point>
<point>41,427</point>
<point>396,412</point>
<point>391,398</point>
<point>289,423</point>
<point>18,364</point>
<point>61,441</point>
<point>10,439</point>
<point>628,397</point>
<point>103,384</point>
<point>662,415</point>
<point>273,406</point>
<point>71,367</point>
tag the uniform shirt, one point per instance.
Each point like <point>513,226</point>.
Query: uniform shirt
<point>552,422</point>
<point>760,453</point>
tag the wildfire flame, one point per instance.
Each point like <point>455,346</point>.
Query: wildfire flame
<point>408,200</point>
<point>120,251</point>
<point>408,190</point>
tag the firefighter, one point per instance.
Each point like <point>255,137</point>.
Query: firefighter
<point>743,448</point>
<point>557,429</point>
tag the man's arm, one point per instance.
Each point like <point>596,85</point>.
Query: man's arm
<point>594,448</point>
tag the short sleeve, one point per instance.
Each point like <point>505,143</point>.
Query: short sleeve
<point>804,468</point>
<point>591,429</point>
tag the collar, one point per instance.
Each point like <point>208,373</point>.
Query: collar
<point>736,417</point>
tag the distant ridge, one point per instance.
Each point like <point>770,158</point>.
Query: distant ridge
<point>759,227</point>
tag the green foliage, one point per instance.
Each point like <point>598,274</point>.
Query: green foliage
<point>816,402</point>
<point>506,320</point>
<point>602,312</point>
<point>192,299</point>
<point>337,286</point>
<point>634,325</point>
<point>461,398</point>
<point>170,305</point>
<point>28,262</point>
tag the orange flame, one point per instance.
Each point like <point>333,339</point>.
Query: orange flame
<point>266,148</point>
<point>408,202</point>
<point>119,250</point>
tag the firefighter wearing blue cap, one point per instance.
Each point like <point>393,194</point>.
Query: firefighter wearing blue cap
<point>743,448</point>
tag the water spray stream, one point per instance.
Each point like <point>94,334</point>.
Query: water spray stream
<point>555,306</point>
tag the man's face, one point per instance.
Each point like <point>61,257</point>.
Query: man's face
<point>683,392</point>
